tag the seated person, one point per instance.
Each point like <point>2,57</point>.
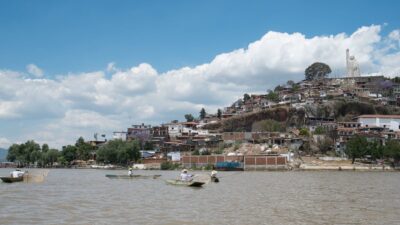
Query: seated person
<point>185,176</point>
<point>17,173</point>
<point>130,171</point>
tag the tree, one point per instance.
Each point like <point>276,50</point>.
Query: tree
<point>392,150</point>
<point>202,113</point>
<point>219,113</point>
<point>51,156</point>
<point>272,96</point>
<point>325,145</point>
<point>119,152</point>
<point>304,132</point>
<point>69,153</point>
<point>290,83</point>
<point>83,149</point>
<point>25,154</point>
<point>319,130</point>
<point>375,150</point>
<point>246,97</point>
<point>148,145</point>
<point>45,147</point>
<point>189,117</point>
<point>356,147</point>
<point>317,70</point>
<point>13,152</point>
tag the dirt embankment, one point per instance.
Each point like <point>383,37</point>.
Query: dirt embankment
<point>244,122</point>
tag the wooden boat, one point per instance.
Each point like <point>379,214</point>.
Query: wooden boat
<point>185,183</point>
<point>114,176</point>
<point>11,179</point>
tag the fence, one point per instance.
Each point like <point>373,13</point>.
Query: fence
<point>249,162</point>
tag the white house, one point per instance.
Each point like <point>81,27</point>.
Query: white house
<point>392,122</point>
<point>119,135</point>
<point>176,129</point>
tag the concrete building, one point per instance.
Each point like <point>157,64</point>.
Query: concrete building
<point>392,122</point>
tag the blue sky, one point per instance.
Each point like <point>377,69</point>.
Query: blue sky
<point>75,68</point>
<point>76,36</point>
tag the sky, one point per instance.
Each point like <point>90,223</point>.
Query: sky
<point>75,68</point>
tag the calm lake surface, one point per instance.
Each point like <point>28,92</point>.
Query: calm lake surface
<point>84,196</point>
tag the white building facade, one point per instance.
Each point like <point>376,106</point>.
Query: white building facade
<point>392,122</point>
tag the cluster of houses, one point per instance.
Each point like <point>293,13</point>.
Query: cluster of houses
<point>310,95</point>
<point>377,89</point>
<point>176,139</point>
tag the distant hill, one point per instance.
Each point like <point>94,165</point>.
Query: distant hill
<point>3,154</point>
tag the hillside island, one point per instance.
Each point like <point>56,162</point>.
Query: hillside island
<point>319,123</point>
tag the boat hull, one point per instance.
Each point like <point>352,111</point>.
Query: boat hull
<point>11,179</point>
<point>113,176</point>
<point>186,183</point>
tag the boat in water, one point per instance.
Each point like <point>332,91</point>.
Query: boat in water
<point>12,179</point>
<point>115,176</point>
<point>185,183</point>
<point>229,166</point>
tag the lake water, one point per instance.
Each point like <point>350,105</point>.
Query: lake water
<point>74,196</point>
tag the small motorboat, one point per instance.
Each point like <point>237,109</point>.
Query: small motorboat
<point>115,176</point>
<point>185,183</point>
<point>12,179</point>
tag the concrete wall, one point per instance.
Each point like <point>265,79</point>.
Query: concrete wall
<point>250,162</point>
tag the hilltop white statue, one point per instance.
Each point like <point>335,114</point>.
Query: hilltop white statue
<point>353,70</point>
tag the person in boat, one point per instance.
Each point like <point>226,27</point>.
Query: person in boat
<point>130,171</point>
<point>214,176</point>
<point>16,173</point>
<point>185,176</point>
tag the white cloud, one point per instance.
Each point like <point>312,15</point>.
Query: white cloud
<point>34,70</point>
<point>58,111</point>
<point>4,143</point>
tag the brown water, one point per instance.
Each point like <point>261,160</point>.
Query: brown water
<point>88,197</point>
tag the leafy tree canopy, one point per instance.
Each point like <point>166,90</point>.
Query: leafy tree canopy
<point>246,97</point>
<point>356,147</point>
<point>316,71</point>
<point>202,113</point>
<point>189,117</point>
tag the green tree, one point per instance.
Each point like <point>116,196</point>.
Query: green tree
<point>52,156</point>
<point>392,150</point>
<point>319,130</point>
<point>148,145</point>
<point>61,160</point>
<point>202,113</point>
<point>375,150</point>
<point>45,147</point>
<point>25,154</point>
<point>246,97</point>
<point>189,117</point>
<point>272,96</point>
<point>83,149</point>
<point>304,132</point>
<point>69,153</point>
<point>317,70</point>
<point>119,152</point>
<point>219,113</point>
<point>325,145</point>
<point>356,147</point>
<point>13,152</point>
